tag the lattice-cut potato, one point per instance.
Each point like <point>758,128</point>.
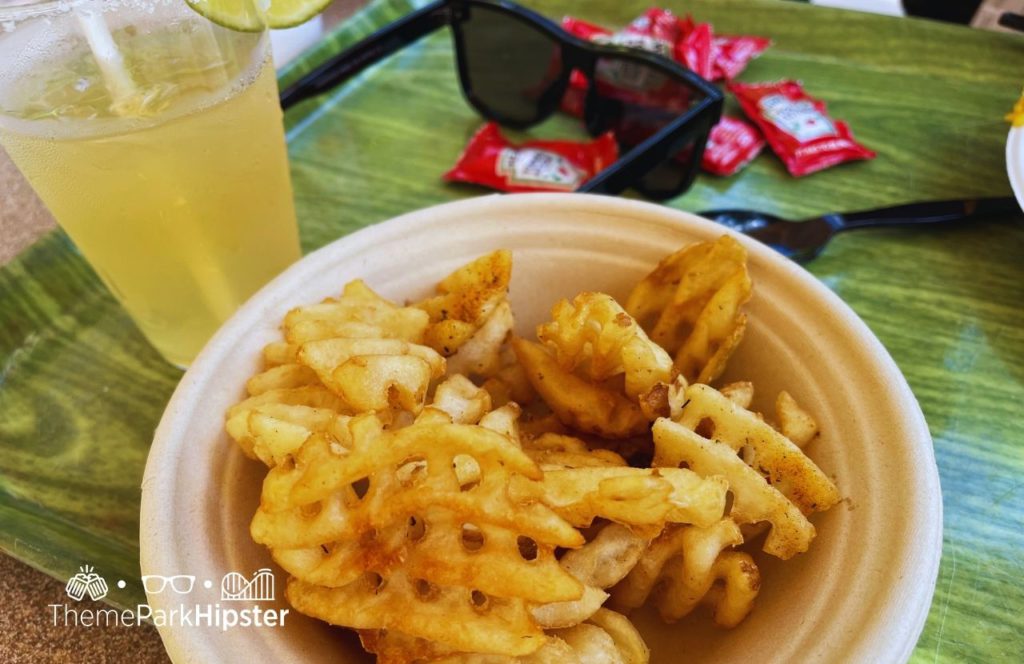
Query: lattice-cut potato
<point>374,374</point>
<point>691,565</point>
<point>461,400</point>
<point>577,402</point>
<point>274,431</point>
<point>596,368</point>
<point>690,305</point>
<point>600,563</point>
<point>774,456</point>
<point>754,500</point>
<point>795,423</point>
<point>465,301</point>
<point>276,402</point>
<point>358,314</point>
<point>606,637</point>
<point>645,499</point>
<point>434,511</point>
<point>510,382</point>
<point>480,355</point>
<point>596,339</point>
<point>554,451</point>
<point>462,619</point>
<point>281,377</point>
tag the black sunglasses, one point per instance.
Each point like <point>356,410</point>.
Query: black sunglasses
<point>515,68</point>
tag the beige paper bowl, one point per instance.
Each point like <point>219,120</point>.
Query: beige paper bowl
<point>861,594</point>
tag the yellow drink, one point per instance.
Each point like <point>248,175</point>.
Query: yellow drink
<point>178,195</point>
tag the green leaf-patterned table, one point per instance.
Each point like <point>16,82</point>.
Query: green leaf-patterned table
<point>81,391</point>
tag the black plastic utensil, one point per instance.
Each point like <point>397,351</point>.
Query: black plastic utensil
<point>805,239</point>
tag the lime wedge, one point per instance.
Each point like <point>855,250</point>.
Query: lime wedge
<point>244,15</point>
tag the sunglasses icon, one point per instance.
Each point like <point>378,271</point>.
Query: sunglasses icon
<point>155,584</point>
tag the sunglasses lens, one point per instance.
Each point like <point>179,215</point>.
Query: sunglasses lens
<point>509,67</point>
<point>636,100</point>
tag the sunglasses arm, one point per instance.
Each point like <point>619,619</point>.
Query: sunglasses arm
<point>389,39</point>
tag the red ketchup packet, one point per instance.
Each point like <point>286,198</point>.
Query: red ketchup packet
<point>694,45</point>
<point>656,31</point>
<point>732,54</point>
<point>695,49</point>
<point>797,127</point>
<point>492,161</point>
<point>732,144</point>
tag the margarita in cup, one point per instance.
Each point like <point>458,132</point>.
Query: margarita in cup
<point>174,181</point>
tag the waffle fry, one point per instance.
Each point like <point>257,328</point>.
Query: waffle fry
<point>431,522</point>
<point>680,569</point>
<point>754,500</point>
<point>411,496</point>
<point>358,314</point>
<point>510,382</point>
<point>480,355</point>
<point>605,637</point>
<point>374,374</point>
<point>554,451</point>
<point>600,563</point>
<point>595,338</point>
<point>314,397</point>
<point>596,366</point>
<point>780,461</point>
<point>577,402</point>
<point>466,299</point>
<point>690,306</point>
<point>643,498</point>
<point>795,423</point>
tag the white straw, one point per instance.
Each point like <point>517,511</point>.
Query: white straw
<point>119,82</point>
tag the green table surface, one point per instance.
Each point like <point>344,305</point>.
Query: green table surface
<point>81,391</point>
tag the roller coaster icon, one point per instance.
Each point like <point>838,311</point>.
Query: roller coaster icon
<point>260,588</point>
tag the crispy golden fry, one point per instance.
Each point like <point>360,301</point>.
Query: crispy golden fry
<point>374,374</point>
<point>425,510</point>
<point>360,314</point>
<point>795,423</point>
<point>455,617</point>
<point>599,564</point>
<point>510,382</point>
<point>689,305</point>
<point>596,339</point>
<point>466,298</point>
<point>577,402</point>
<point>480,355</point>
<point>504,420</point>
<point>534,424</point>
<point>464,402</point>
<point>628,642</point>
<point>753,499</point>
<point>679,569</point>
<point>239,427</point>
<point>596,369</point>
<point>554,451</point>
<point>435,514</point>
<point>643,498</point>
<point>280,352</point>
<point>717,332</point>
<point>740,393</point>
<point>273,431</point>
<point>780,461</point>
<point>283,376</point>
<point>605,637</point>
